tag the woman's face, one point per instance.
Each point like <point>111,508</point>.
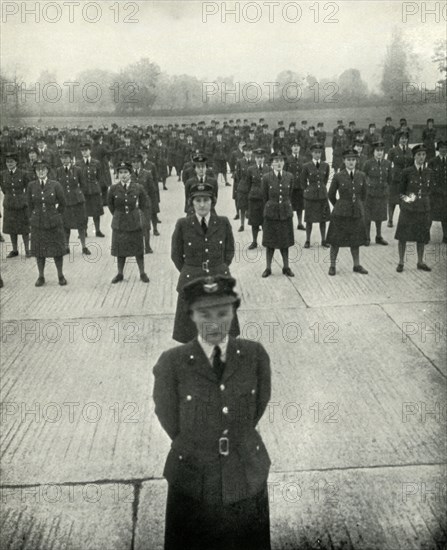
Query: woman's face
<point>213,323</point>
<point>202,205</point>
<point>124,176</point>
<point>350,163</point>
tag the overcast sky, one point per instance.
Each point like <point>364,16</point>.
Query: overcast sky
<point>183,40</point>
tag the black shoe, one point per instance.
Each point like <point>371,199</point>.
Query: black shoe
<point>307,244</point>
<point>423,267</point>
<point>301,227</point>
<point>118,278</point>
<point>332,271</point>
<point>359,269</point>
<point>241,228</point>
<point>67,250</point>
<point>40,281</point>
<point>444,240</point>
<point>149,250</point>
<point>144,277</point>
<point>266,273</point>
<point>86,251</point>
<point>2,239</point>
<point>156,233</point>
<point>62,281</point>
<point>236,217</point>
<point>400,268</point>
<point>1,282</point>
<point>324,244</point>
<point>165,188</point>
<point>158,221</point>
<point>368,242</point>
<point>390,224</point>
<point>381,240</point>
<point>12,254</point>
<point>28,254</point>
<point>227,184</point>
<point>99,234</point>
<point>253,246</point>
<point>287,271</point>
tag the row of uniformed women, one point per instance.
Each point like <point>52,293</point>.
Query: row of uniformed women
<point>52,214</point>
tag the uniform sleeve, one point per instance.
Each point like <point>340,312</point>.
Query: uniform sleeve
<point>60,198</point>
<point>403,183</point>
<point>30,197</point>
<point>264,382</point>
<point>177,246</point>
<point>166,396</point>
<point>363,192</point>
<point>143,201</point>
<point>111,200</point>
<point>332,193</point>
<point>229,243</point>
<point>265,189</point>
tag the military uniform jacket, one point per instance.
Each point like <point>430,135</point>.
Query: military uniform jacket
<point>196,254</point>
<point>144,178</point>
<point>242,167</point>
<point>276,195</point>
<point>220,150</point>
<point>388,135</point>
<point>72,184</point>
<point>378,178</point>
<point>91,176</point>
<point>125,204</point>
<point>14,188</point>
<point>236,155</point>
<point>314,181</point>
<point>351,194</point>
<point>46,205</point>
<point>439,183</point>
<point>295,166</point>
<point>254,181</point>
<point>400,161</point>
<point>418,183</point>
<point>196,411</point>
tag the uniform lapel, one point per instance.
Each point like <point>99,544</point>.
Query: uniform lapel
<point>195,223</point>
<point>199,361</point>
<point>233,358</point>
<point>212,227</point>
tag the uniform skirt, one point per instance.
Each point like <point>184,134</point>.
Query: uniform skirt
<point>242,201</point>
<point>344,231</point>
<point>394,194</point>
<point>184,328</point>
<point>127,243</point>
<point>74,216</point>
<point>438,208</point>
<point>220,166</point>
<point>278,233</point>
<point>93,205</point>
<point>193,525</point>
<point>413,227</point>
<point>316,211</point>
<point>16,222</point>
<point>255,212</point>
<point>376,209</point>
<point>48,243</point>
<point>297,199</point>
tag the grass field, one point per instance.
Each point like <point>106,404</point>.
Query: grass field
<point>415,114</point>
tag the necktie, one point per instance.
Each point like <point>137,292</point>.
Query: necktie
<point>279,176</point>
<point>66,169</point>
<point>352,175</point>
<point>11,172</point>
<point>137,172</point>
<point>420,171</point>
<point>201,181</point>
<point>125,186</point>
<point>404,149</point>
<point>218,364</point>
<point>204,226</point>
<point>42,184</point>
<point>87,162</point>
<point>378,162</point>
<point>318,165</point>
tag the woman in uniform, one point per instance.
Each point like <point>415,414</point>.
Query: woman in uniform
<point>400,157</point>
<point>277,228</point>
<point>209,396</point>
<point>414,217</point>
<point>125,199</point>
<point>15,205</point>
<point>347,225</point>
<point>315,175</point>
<point>438,194</point>
<point>46,204</point>
<point>202,244</point>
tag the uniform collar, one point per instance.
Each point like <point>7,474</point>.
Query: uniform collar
<point>208,349</point>
<point>207,218</point>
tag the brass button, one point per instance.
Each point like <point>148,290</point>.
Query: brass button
<point>225,410</point>
<point>222,387</point>
<point>225,432</point>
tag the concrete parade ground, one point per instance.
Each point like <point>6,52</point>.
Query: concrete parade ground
<point>356,426</point>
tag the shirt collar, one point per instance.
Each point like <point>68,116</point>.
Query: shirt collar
<point>208,349</point>
<point>207,218</point>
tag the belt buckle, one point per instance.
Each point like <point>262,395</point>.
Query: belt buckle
<point>205,266</point>
<point>224,446</point>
